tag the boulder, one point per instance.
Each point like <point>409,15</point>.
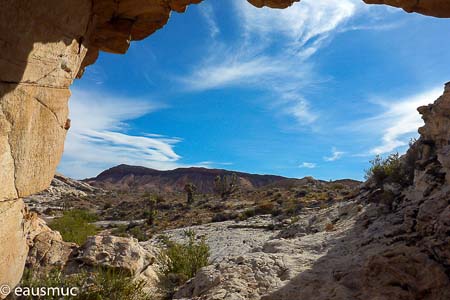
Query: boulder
<point>49,251</point>
<point>125,254</point>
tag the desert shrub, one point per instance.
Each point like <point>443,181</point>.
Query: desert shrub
<point>323,205</point>
<point>248,213</point>
<point>139,233</point>
<point>75,225</point>
<point>387,170</point>
<point>102,284</point>
<point>160,199</point>
<point>293,208</point>
<point>264,208</point>
<point>276,212</point>
<point>115,285</point>
<point>337,186</point>
<point>223,216</point>
<point>301,193</point>
<point>186,259</point>
<point>120,230</point>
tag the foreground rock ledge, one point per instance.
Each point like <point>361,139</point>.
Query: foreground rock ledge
<point>44,46</point>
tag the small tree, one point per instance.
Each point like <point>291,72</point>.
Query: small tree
<point>226,185</point>
<point>151,212</point>
<point>190,189</point>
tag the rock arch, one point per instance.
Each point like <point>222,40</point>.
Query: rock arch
<point>44,46</point>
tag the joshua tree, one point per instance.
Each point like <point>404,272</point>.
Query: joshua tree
<point>151,211</point>
<point>190,189</point>
<point>226,185</point>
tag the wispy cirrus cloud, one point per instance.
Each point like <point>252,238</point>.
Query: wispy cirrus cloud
<point>99,136</point>
<point>208,14</point>
<point>273,53</point>
<point>398,120</point>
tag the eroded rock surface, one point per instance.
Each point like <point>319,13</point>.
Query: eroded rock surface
<point>115,252</point>
<point>123,254</point>
<point>13,241</point>
<point>225,239</point>
<point>61,191</point>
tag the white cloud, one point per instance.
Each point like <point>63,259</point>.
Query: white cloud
<point>308,22</point>
<point>207,12</point>
<point>335,155</point>
<point>399,120</point>
<point>308,165</point>
<point>98,138</point>
<point>273,53</point>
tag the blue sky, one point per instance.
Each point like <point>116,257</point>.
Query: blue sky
<point>317,89</point>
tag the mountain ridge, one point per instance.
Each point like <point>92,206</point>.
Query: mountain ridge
<point>141,178</point>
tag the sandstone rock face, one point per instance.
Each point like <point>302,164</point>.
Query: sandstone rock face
<point>38,65</point>
<point>13,245</point>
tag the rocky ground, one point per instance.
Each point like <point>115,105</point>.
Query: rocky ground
<point>62,191</point>
<point>389,239</point>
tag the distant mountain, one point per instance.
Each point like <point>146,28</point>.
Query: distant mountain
<point>125,177</point>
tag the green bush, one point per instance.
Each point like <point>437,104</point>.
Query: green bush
<point>186,259</point>
<point>387,170</point>
<point>75,225</point>
<point>138,233</point>
<point>102,284</point>
<point>248,213</point>
<point>337,186</point>
<point>120,230</point>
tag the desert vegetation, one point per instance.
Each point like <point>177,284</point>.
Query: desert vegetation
<point>182,261</point>
<point>75,225</point>
<point>392,169</point>
<point>100,284</point>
